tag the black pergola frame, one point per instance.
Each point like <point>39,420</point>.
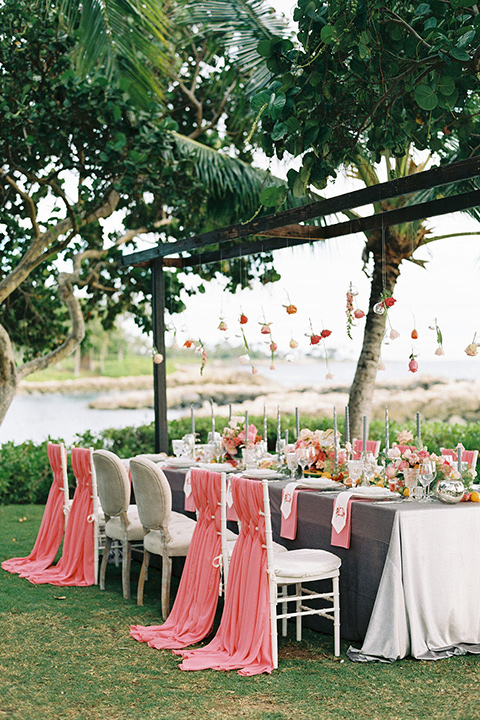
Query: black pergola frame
<point>282,230</point>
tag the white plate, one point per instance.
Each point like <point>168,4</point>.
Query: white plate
<point>375,492</point>
<point>217,467</point>
<point>179,462</point>
<point>320,483</point>
<point>266,474</point>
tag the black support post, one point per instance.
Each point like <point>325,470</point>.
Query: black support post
<point>159,369</point>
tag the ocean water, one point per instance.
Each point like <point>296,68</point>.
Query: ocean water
<point>35,417</point>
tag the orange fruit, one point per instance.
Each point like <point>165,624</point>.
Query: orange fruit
<point>475,496</point>
<point>406,492</point>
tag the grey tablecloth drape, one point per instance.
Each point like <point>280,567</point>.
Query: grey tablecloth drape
<point>410,581</point>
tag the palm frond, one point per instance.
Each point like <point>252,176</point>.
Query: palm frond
<point>125,38</point>
<point>242,25</point>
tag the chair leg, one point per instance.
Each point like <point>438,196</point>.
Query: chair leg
<point>103,567</point>
<point>298,609</point>
<point>126,550</point>
<point>336,615</point>
<point>166,579</point>
<point>284,592</point>
<point>143,576</point>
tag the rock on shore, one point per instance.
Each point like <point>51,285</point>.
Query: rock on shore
<point>435,398</point>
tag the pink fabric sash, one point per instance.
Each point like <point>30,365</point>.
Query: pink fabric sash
<point>193,612</point>
<point>52,526</point>
<point>243,639</point>
<point>76,566</point>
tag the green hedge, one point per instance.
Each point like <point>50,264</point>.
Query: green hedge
<point>25,474</point>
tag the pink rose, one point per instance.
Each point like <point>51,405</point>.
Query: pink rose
<point>471,349</point>
<point>394,334</point>
<point>359,314</point>
<point>390,471</point>
<point>439,350</point>
<point>394,453</point>
<point>404,437</point>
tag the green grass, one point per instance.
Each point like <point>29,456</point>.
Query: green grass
<point>131,365</point>
<point>66,654</point>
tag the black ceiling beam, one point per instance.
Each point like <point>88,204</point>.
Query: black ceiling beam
<point>462,170</point>
<point>408,213</point>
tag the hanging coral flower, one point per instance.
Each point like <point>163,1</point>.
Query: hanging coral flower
<point>189,343</point>
<point>325,333</point>
<point>293,344</point>
<point>414,334</point>
<point>413,364</point>
<point>272,366</point>
<point>315,339</point>
<point>265,329</point>
<point>359,314</point>
<point>273,347</point>
<point>243,319</point>
<point>254,370</point>
<point>222,325</point>
<point>329,376</point>
<point>291,309</point>
<point>394,334</point>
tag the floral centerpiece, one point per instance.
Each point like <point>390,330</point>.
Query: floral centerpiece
<point>324,459</point>
<point>233,438</point>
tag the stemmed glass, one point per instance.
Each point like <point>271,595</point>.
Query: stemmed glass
<point>427,474</point>
<point>178,447</point>
<point>305,456</point>
<point>411,478</point>
<point>354,471</point>
<point>292,463</point>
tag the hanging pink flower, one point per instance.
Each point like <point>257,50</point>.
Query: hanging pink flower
<point>359,314</point>
<point>222,325</point>
<point>325,333</point>
<point>381,365</point>
<point>254,370</point>
<point>394,334</point>
<point>273,346</point>
<point>265,329</point>
<point>329,376</point>
<point>413,364</point>
<point>439,350</point>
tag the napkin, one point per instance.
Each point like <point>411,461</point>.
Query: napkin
<point>187,489</point>
<point>287,499</point>
<point>339,517</point>
<point>288,508</point>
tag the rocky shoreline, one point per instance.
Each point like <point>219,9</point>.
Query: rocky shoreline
<point>435,398</point>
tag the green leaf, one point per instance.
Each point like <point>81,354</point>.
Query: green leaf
<point>259,100</point>
<point>272,196</point>
<point>425,97</point>
<point>327,34</point>
<point>423,9</point>
<point>279,131</point>
<point>276,105</point>
<point>446,85</point>
<point>465,39</point>
<point>459,55</point>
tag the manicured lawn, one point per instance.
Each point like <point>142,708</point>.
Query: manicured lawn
<point>66,654</point>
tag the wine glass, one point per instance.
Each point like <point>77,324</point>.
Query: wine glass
<point>427,474</point>
<point>178,447</point>
<point>305,456</point>
<point>354,470</point>
<point>292,463</point>
<point>411,477</point>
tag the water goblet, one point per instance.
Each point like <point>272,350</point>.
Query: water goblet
<point>427,474</point>
<point>178,447</point>
<point>305,456</point>
<point>411,478</point>
<point>354,470</point>
<point>292,463</point>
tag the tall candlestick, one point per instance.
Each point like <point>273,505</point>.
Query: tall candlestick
<point>418,426</point>
<point>265,437</point>
<point>192,421</point>
<point>387,431</point>
<point>279,430</point>
<point>459,459</point>
<point>229,412</point>
<point>364,438</point>
<point>297,423</point>
<point>246,428</point>
<point>335,448</point>
<point>347,424</point>
<point>213,420</point>
<point>286,436</point>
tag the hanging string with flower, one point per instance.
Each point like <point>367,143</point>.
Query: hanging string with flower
<point>315,340</point>
<point>472,348</point>
<point>438,333</point>
<point>353,313</point>
<point>202,351</point>
<point>265,329</point>
<point>246,358</point>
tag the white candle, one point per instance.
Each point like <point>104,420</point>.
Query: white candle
<point>364,445</point>
<point>387,431</point>
<point>192,420</point>
<point>459,459</point>
<point>335,437</point>
<point>297,423</point>
<point>213,420</point>
<point>347,424</point>
<point>265,425</point>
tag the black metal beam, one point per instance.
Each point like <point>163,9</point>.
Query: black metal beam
<point>408,213</point>
<point>159,369</point>
<point>444,175</point>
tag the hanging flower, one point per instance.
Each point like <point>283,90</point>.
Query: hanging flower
<point>394,334</point>
<point>244,359</point>
<point>389,302</point>
<point>265,329</point>
<point>293,344</point>
<point>438,332</point>
<point>329,376</point>
<point>315,339</point>
<point>189,343</point>
<point>243,319</point>
<point>439,350</point>
<point>201,350</point>
<point>381,365</point>
<point>413,364</point>
<point>290,308</point>
<point>325,333</point>
<point>359,314</point>
<point>254,370</point>
<point>472,349</point>
<point>222,325</point>
<point>351,312</point>
<point>414,334</point>
<point>158,358</point>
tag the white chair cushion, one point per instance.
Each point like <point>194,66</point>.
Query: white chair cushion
<point>305,563</point>
<point>113,528</point>
<point>231,538</point>
<point>180,530</point>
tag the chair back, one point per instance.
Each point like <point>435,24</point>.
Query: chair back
<point>372,446</point>
<point>112,483</point>
<point>468,456</point>
<point>153,494</point>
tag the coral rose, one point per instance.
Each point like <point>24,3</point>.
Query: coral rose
<point>359,314</point>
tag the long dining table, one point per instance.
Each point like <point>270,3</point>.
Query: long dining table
<point>410,580</point>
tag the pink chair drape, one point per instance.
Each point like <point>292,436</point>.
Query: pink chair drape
<point>468,456</point>
<point>193,612</point>
<point>52,526</point>
<point>77,564</point>
<point>243,641</point>
<point>372,446</point>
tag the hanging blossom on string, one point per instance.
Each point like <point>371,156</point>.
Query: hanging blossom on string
<point>472,348</point>
<point>201,350</point>
<point>222,325</point>
<point>189,344</point>
<point>171,328</point>
<point>414,333</point>
<point>290,308</point>
<point>157,356</point>
<point>316,339</point>
<point>353,313</point>
<point>245,359</point>
<point>382,307</point>
<point>265,329</point>
<point>438,333</point>
<point>413,364</point>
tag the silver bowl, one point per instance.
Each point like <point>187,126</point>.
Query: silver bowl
<point>450,491</point>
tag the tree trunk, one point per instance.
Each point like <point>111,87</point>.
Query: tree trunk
<point>385,273</point>
<point>8,373</point>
